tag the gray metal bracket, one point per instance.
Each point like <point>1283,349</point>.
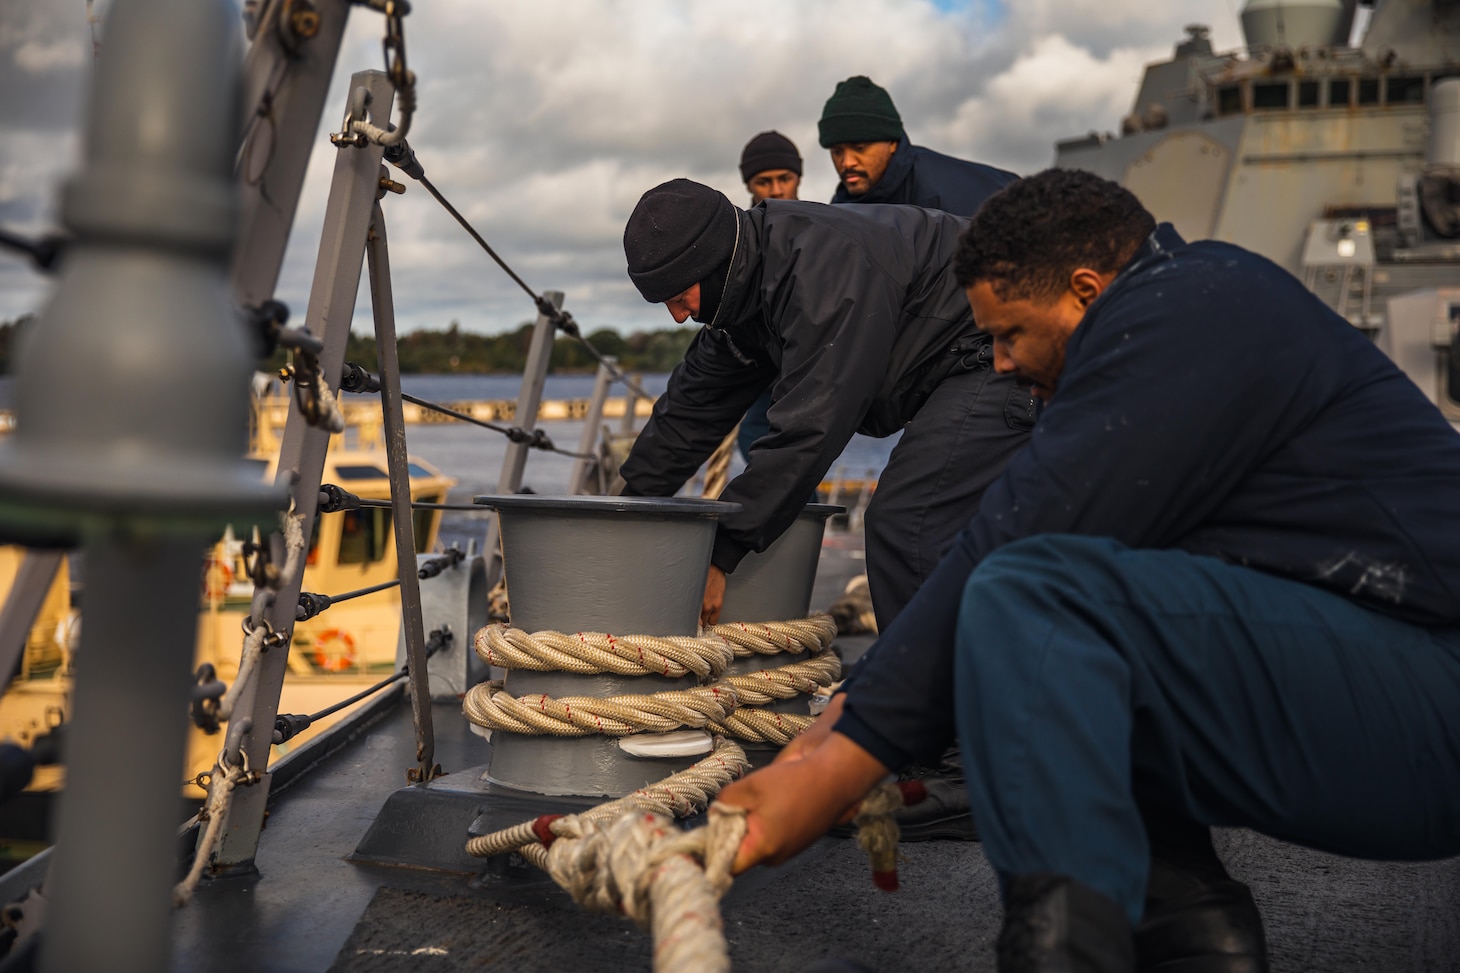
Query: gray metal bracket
<point>337,271</point>
<point>383,304</point>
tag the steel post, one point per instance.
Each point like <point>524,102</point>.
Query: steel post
<point>529,399</point>
<point>588,440</point>
<point>534,377</point>
<point>383,304</point>
<point>124,758</point>
<point>301,457</point>
<point>140,472</point>
<point>631,405</point>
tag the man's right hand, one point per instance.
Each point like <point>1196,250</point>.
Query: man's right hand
<point>792,803</point>
<point>815,734</point>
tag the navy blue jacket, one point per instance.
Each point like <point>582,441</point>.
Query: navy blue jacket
<point>917,176</point>
<point>1209,403</point>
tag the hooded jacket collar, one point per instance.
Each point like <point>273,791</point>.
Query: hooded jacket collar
<point>744,269</point>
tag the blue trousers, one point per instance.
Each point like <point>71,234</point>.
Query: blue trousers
<point>1092,679</point>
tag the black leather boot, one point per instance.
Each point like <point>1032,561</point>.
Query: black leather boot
<point>1053,924</point>
<point>1198,918</point>
<point>941,816</point>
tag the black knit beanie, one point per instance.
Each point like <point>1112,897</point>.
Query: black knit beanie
<point>677,234</point>
<point>769,150</point>
<point>859,111</point>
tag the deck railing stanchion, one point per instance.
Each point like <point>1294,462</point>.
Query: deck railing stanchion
<point>398,463</point>
<point>534,377</point>
<point>602,382</point>
<point>631,406</point>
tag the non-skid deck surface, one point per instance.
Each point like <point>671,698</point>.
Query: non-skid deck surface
<point>1324,915</point>
<point>312,911</point>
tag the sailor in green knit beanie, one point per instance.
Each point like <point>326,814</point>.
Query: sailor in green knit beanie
<point>877,164</point>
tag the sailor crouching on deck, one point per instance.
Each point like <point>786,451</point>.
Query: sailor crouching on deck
<point>852,316</point>
<point>1220,587</point>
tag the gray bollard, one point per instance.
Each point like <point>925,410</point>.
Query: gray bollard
<point>132,421</point>
<point>627,565</point>
<point>776,584</point>
<point>773,586</point>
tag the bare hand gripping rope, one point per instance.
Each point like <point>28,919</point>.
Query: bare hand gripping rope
<point>629,857</point>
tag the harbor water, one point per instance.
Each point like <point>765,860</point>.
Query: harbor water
<point>473,456</point>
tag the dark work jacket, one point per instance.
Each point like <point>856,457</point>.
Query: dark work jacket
<point>1209,403</point>
<point>917,176</point>
<point>849,314</point>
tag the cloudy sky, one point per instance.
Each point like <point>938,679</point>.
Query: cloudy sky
<point>544,120</point>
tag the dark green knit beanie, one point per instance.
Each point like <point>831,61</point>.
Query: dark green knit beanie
<point>859,111</point>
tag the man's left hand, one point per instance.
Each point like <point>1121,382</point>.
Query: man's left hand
<point>714,598</point>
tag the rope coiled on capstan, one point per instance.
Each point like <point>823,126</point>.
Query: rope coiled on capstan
<point>722,708</point>
<point>811,634</point>
<point>591,653</point>
<point>704,656</point>
<point>488,705</point>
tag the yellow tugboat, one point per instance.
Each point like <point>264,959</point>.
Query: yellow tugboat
<point>333,656</point>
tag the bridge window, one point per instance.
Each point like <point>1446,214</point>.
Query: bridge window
<point>1308,94</point>
<point>1406,91</point>
<point>1270,96</point>
<point>1368,91</point>
<point>1229,99</point>
<point>421,521</point>
<point>1338,92</point>
<point>365,535</point>
<point>359,472</point>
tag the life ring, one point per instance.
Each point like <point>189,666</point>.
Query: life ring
<point>217,578</point>
<point>334,650</point>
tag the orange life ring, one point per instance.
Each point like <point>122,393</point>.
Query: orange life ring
<point>331,657</point>
<point>217,578</point>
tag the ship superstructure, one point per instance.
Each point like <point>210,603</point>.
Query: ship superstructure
<point>1339,160</point>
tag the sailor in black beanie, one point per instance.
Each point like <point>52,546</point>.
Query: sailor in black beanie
<point>771,167</point>
<point>852,317</point>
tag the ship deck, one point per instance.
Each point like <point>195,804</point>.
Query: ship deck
<point>310,909</point>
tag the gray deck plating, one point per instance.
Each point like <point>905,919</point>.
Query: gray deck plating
<point>312,910</point>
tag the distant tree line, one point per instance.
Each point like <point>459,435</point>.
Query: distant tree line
<point>457,351</point>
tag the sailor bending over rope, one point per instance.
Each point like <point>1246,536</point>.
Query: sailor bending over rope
<point>1220,587</point>
<point>852,317</point>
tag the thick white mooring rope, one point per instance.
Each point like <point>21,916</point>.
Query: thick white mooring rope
<point>627,855</point>
<point>722,707</point>
<point>620,858</point>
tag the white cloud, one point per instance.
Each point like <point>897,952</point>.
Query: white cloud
<point>543,122</point>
